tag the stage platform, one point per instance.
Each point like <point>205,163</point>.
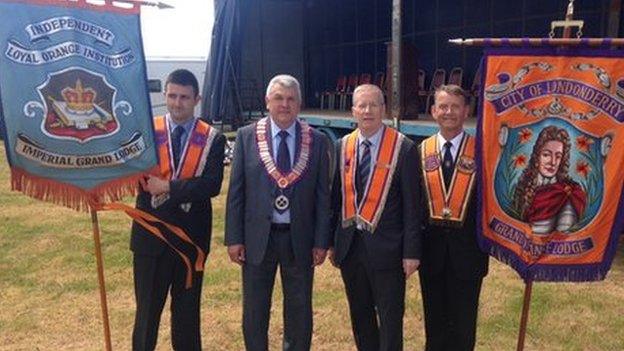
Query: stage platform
<point>342,120</point>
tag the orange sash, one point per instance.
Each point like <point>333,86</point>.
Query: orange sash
<point>195,151</point>
<point>192,164</point>
<point>368,211</point>
<point>448,206</point>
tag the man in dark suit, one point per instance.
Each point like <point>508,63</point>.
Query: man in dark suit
<point>191,172</point>
<point>377,226</point>
<point>453,266</point>
<point>278,215</point>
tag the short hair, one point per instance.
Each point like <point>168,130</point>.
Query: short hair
<point>183,77</point>
<point>286,81</point>
<point>452,89</point>
<point>368,87</point>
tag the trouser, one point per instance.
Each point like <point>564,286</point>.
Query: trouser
<point>451,306</point>
<point>258,281</point>
<point>154,277</point>
<point>376,300</point>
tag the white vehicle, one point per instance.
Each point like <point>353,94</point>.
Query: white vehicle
<point>158,68</point>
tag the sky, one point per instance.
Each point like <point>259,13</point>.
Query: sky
<point>183,31</point>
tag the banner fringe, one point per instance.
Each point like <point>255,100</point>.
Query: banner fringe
<point>72,196</point>
<point>548,273</point>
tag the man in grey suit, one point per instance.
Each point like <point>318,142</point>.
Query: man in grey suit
<point>278,215</point>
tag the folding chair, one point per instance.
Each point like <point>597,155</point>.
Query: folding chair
<point>341,83</point>
<point>351,84</point>
<point>421,92</point>
<point>365,78</point>
<point>474,91</point>
<point>380,79</point>
<point>456,76</point>
<point>437,80</point>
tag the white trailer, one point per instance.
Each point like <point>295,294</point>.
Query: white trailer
<point>158,68</point>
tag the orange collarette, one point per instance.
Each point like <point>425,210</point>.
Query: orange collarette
<point>448,206</point>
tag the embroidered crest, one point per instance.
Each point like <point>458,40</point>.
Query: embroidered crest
<point>432,162</point>
<point>78,104</point>
<point>466,164</point>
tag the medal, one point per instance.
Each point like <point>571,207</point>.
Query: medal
<point>282,202</point>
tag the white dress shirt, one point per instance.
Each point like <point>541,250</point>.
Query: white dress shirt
<point>456,143</point>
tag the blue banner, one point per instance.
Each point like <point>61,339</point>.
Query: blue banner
<point>74,100</point>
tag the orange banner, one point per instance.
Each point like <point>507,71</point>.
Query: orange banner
<point>550,174</point>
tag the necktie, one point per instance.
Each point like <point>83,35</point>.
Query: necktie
<point>363,169</point>
<point>283,155</point>
<point>176,144</point>
<point>447,164</point>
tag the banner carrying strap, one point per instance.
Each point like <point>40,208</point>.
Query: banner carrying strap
<point>144,219</point>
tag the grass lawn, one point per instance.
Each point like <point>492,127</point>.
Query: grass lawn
<point>49,297</point>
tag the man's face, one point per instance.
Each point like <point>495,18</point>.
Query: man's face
<point>450,111</point>
<point>181,101</point>
<point>550,158</point>
<point>368,111</point>
<point>283,105</point>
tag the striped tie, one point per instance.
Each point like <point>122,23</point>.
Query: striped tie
<point>363,169</point>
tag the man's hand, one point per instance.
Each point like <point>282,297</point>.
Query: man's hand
<point>155,185</point>
<point>237,253</point>
<point>331,254</point>
<point>410,265</point>
<point>318,256</point>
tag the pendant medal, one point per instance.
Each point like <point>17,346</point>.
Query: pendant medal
<point>282,202</point>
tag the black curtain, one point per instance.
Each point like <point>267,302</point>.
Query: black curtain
<point>220,101</point>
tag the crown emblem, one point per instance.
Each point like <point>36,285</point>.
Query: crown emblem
<point>78,99</point>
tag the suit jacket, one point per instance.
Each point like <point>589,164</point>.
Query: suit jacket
<point>252,193</point>
<point>464,255</point>
<point>197,222</point>
<point>397,235</point>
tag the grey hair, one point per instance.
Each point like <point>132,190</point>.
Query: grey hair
<point>286,81</point>
<point>369,87</point>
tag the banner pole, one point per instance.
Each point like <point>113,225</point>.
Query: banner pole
<point>161,5</point>
<point>100,271</point>
<point>525,314</point>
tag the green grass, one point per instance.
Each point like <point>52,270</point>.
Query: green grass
<point>49,297</point>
